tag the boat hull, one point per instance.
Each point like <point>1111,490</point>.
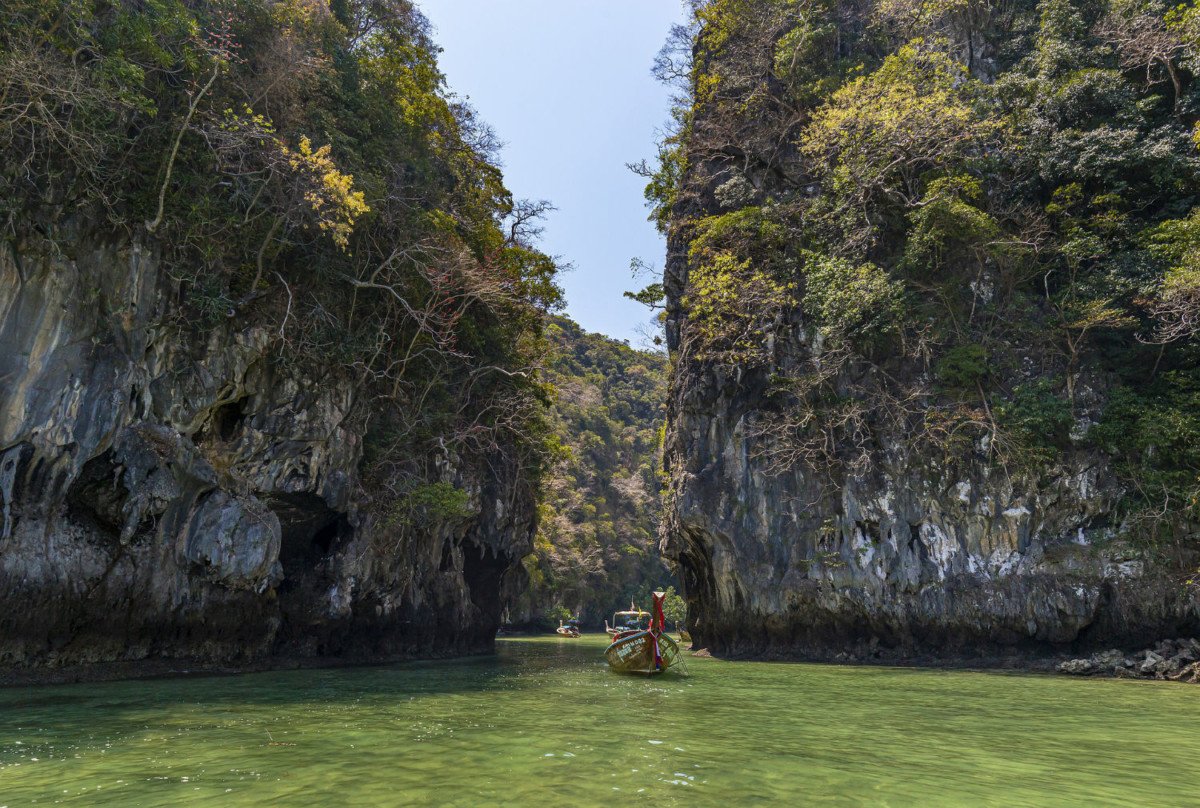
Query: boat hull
<point>634,653</point>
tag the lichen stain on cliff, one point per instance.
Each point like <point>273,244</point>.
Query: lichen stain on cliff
<point>170,494</point>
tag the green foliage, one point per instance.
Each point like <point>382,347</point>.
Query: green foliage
<point>427,504</point>
<point>739,286</point>
<point>674,607</point>
<point>884,136</point>
<point>854,303</point>
<point>806,56</point>
<point>1176,241</point>
<point>949,229</point>
<point>987,245</point>
<point>963,367</point>
<point>439,502</point>
<point>554,615</point>
<point>1154,435</point>
<point>651,296</point>
<point>301,167</point>
<point>1037,421</point>
<point>733,306</point>
<point>662,186</point>
<point>596,545</point>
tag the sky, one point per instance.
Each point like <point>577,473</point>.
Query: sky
<point>566,84</point>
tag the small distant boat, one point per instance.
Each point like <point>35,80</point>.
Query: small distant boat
<point>644,650</point>
<point>571,629</point>
<point>633,620</point>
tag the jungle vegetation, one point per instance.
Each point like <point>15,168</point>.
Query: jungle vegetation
<point>597,541</point>
<point>983,216</point>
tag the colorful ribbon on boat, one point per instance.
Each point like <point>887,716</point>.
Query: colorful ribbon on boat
<point>658,624</point>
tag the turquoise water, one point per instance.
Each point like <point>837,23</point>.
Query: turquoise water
<point>545,723</point>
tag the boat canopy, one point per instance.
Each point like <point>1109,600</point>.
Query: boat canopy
<point>631,619</point>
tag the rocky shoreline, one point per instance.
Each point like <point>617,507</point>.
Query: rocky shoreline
<point>1175,660</point>
<point>1172,660</point>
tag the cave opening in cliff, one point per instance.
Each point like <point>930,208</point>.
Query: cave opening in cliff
<point>97,497</point>
<point>483,569</point>
<point>915,544</point>
<point>226,421</point>
<point>310,531</point>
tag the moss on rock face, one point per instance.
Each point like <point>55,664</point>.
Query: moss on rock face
<point>980,256</point>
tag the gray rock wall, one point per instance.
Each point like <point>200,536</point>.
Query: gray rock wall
<point>908,560</point>
<point>172,493</point>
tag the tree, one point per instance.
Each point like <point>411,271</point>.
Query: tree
<point>596,545</point>
<point>674,607</point>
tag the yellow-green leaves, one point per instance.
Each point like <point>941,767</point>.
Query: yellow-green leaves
<point>880,136</point>
<point>1175,303</point>
<point>805,57</point>
<point>733,305</point>
<point>328,191</point>
<point>918,14</point>
<point>738,287</point>
<point>950,224</point>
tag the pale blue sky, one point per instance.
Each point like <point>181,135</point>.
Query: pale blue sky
<point>566,84</point>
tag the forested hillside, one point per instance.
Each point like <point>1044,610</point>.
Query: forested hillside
<point>933,299</point>
<point>597,541</point>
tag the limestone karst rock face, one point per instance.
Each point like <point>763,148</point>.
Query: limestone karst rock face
<point>852,528</point>
<point>900,562</point>
<point>171,493</point>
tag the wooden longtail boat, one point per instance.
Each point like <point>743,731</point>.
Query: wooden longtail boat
<point>647,650</point>
<point>569,630</point>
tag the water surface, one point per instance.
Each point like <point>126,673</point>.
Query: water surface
<point>545,723</point>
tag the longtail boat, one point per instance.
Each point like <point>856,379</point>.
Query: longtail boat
<point>649,650</point>
<point>569,630</point>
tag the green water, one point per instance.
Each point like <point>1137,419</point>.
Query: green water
<point>545,723</point>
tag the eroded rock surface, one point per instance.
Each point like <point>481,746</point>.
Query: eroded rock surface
<point>904,562</point>
<point>172,493</point>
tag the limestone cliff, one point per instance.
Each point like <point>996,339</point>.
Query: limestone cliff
<point>842,480</point>
<point>171,493</point>
<point>269,332</point>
